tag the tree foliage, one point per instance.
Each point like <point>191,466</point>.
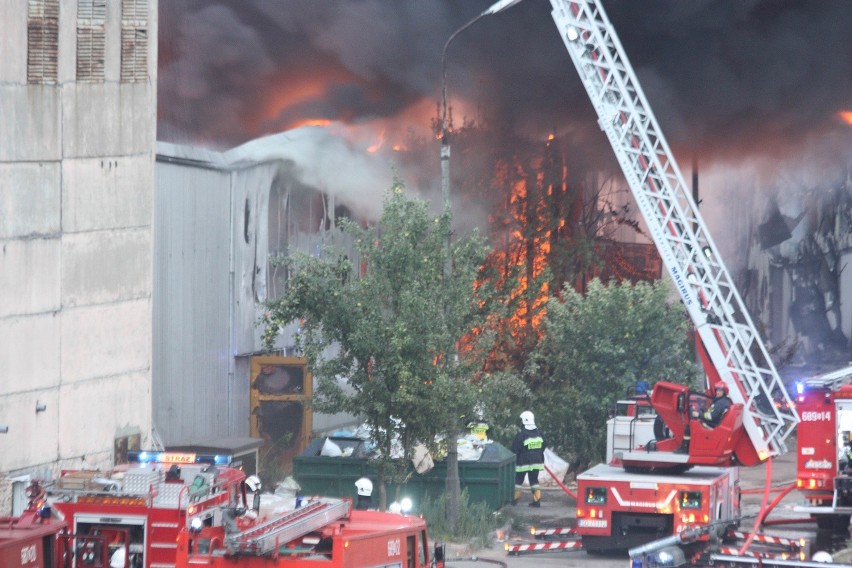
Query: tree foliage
<point>594,350</point>
<point>391,327</point>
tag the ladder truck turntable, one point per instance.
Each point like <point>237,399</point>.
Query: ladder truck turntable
<point>619,505</point>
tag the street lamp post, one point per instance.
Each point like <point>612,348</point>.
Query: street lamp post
<point>453,483</point>
<point>445,129</point>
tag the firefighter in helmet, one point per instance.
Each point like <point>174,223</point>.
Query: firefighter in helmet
<point>528,448</point>
<point>720,405</point>
<point>477,426</point>
<point>364,488</point>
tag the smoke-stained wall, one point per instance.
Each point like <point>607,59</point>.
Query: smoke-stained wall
<point>221,218</point>
<point>798,278</point>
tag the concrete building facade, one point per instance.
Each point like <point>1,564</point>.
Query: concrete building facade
<point>77,137</point>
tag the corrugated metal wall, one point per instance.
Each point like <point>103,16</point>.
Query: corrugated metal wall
<point>214,227</point>
<point>191,349</point>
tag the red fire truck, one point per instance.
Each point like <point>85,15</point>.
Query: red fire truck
<point>825,409</point>
<point>318,529</point>
<point>618,510</point>
<point>136,510</point>
<point>762,415</point>
<point>33,539</point>
<point>682,477</point>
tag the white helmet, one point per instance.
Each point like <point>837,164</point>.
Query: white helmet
<point>364,487</point>
<point>253,483</point>
<point>118,558</point>
<point>528,420</point>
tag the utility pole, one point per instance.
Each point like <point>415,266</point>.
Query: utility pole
<point>453,484</point>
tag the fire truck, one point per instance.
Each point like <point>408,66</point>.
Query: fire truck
<point>32,539</point>
<point>316,529</point>
<point>136,510</point>
<point>693,483</point>
<point>823,472</point>
<point>618,510</point>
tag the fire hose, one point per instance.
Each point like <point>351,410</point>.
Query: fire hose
<point>559,482</point>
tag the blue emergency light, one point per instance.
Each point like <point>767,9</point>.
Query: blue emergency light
<point>178,458</point>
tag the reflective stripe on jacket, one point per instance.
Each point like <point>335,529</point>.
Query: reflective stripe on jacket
<point>528,448</point>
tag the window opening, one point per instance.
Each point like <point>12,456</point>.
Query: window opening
<point>91,40</point>
<point>134,41</point>
<point>42,41</point>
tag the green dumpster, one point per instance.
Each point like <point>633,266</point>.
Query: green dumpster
<point>490,479</point>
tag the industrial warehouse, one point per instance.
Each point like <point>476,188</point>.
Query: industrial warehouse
<point>155,410</point>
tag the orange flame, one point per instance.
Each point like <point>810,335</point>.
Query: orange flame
<point>312,122</point>
<point>845,116</point>
<point>530,258</point>
<point>378,145</point>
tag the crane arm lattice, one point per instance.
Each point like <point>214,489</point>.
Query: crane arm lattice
<point>688,252</point>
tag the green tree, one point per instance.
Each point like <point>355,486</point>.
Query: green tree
<point>594,350</point>
<point>391,327</point>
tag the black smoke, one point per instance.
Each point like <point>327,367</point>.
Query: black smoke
<point>724,77</point>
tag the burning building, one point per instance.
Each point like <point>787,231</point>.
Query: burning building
<point>222,220</point>
<point>797,278</point>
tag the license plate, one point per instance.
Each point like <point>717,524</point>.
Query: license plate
<point>592,523</point>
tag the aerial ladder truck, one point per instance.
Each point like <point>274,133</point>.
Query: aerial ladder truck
<point>763,415</point>
<point>618,505</point>
<point>733,351</point>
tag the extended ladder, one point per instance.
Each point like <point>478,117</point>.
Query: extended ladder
<point>263,538</point>
<point>690,256</point>
<point>831,381</point>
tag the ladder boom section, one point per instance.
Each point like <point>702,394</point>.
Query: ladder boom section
<point>831,381</point>
<point>267,536</point>
<point>690,256</point>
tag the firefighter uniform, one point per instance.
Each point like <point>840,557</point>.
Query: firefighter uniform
<point>717,409</point>
<point>845,458</point>
<point>528,448</point>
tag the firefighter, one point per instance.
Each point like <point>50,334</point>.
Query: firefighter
<point>118,559</point>
<point>528,447</point>
<point>364,488</point>
<point>478,427</point>
<point>845,458</point>
<point>252,485</point>
<point>717,409</point>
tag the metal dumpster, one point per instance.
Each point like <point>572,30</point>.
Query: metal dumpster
<point>490,479</point>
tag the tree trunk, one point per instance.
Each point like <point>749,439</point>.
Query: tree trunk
<point>453,487</point>
<point>383,494</point>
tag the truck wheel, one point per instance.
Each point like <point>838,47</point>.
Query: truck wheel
<point>834,523</point>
